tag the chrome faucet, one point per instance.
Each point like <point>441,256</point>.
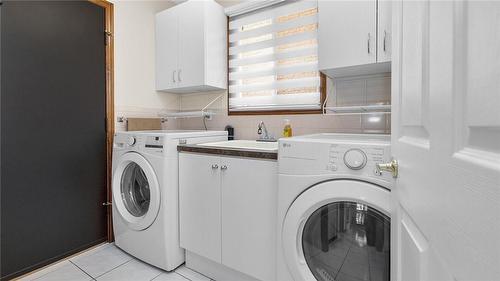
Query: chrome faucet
<point>262,129</point>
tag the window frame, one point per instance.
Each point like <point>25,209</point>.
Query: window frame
<point>277,111</point>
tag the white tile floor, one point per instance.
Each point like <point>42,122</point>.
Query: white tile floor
<point>108,263</point>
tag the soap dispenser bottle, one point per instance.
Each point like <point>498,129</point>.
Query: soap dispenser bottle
<point>287,130</point>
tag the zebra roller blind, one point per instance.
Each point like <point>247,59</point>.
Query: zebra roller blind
<point>273,59</point>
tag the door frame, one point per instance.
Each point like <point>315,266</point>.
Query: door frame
<point>110,106</point>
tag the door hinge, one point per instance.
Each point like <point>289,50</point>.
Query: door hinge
<point>107,204</point>
<point>107,37</point>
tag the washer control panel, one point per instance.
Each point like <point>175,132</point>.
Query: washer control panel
<point>355,159</point>
<point>358,157</point>
<point>131,141</point>
<point>137,142</point>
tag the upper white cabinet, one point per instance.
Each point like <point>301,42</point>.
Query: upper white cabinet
<point>354,37</point>
<point>384,27</point>
<point>191,48</point>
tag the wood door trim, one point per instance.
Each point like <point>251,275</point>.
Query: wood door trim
<point>110,108</point>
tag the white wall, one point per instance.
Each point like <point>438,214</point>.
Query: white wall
<point>134,39</point>
<point>246,126</point>
<point>135,94</point>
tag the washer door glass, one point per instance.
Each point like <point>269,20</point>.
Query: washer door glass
<point>135,191</point>
<point>347,241</point>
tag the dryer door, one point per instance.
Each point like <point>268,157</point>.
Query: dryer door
<point>136,192</point>
<point>339,230</point>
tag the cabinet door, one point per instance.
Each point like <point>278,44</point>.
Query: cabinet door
<point>166,49</point>
<point>200,206</point>
<point>347,33</point>
<point>384,19</point>
<point>249,191</point>
<point>191,45</point>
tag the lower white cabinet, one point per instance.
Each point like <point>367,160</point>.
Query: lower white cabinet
<point>199,202</point>
<point>228,211</point>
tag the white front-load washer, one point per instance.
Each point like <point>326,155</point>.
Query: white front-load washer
<point>145,193</point>
<point>334,208</point>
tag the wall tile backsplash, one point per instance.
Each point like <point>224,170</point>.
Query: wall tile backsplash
<point>349,92</point>
<point>360,91</point>
<point>128,112</point>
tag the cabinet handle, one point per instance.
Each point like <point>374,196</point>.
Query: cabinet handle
<point>215,166</point>
<point>223,167</point>
<point>368,43</point>
<point>385,36</point>
<point>173,76</point>
<point>179,75</point>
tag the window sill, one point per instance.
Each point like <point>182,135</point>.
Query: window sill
<point>275,112</point>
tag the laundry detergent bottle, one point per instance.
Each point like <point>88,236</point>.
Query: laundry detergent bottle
<point>287,130</point>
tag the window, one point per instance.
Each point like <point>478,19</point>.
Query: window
<point>273,60</point>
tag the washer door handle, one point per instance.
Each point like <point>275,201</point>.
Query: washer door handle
<point>391,167</point>
<point>300,251</point>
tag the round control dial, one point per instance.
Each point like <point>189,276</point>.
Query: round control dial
<point>355,159</point>
<point>131,141</point>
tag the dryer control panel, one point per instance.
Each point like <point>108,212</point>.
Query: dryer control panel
<point>350,155</point>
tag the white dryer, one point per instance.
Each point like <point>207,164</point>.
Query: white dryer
<point>334,208</point>
<point>145,193</point>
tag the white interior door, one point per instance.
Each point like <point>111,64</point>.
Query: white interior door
<point>446,137</point>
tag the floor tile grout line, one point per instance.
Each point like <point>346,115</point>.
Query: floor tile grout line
<point>343,261</point>
<point>187,278</point>
<point>183,276</point>
<point>131,259</point>
<point>48,272</point>
<point>173,273</point>
<point>156,276</point>
<point>56,265</point>
<point>192,271</point>
<point>91,252</point>
<point>82,270</point>
<point>52,271</point>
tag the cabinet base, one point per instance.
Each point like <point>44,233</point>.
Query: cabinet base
<point>215,270</point>
<point>358,70</point>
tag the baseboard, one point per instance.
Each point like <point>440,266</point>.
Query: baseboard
<point>214,270</point>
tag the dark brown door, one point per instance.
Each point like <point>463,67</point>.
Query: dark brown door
<point>53,131</point>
